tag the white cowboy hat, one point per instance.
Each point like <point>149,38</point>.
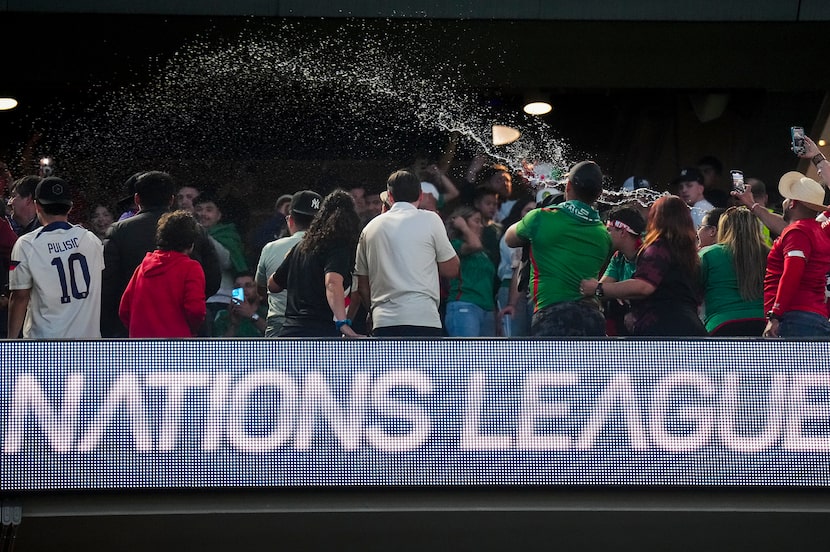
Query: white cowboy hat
<point>794,185</point>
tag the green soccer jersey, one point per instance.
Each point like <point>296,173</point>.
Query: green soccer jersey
<point>569,243</point>
<point>620,268</point>
<point>722,299</point>
<point>475,283</point>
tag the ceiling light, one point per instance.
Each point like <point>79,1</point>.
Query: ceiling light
<point>537,108</point>
<point>7,103</point>
<point>822,142</point>
<point>537,102</point>
<point>503,135</point>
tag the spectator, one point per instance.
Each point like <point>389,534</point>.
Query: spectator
<point>100,220</point>
<point>471,299</point>
<point>429,197</point>
<point>707,232</point>
<point>399,258</point>
<point>664,290</point>
<point>55,273</point>
<point>486,201</point>
<point>626,226</point>
<point>435,181</point>
<point>772,220</point>
<point>24,217</point>
<point>186,198</point>
<point>7,239</point>
<point>318,271</point>
<point>636,183</point>
<point>165,296</point>
<point>126,205</point>
<point>373,206</point>
<point>304,205</point>
<point>761,197</point>
<point>245,318</point>
<point>517,311</point>
<point>229,249</point>
<point>274,227</point>
<point>797,266</point>
<point>493,176</point>
<point>716,191</point>
<point>568,243</point>
<point>690,188</point>
<point>131,239</point>
<point>732,276</point>
<point>358,193</point>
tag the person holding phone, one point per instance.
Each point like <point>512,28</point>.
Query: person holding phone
<point>245,316</point>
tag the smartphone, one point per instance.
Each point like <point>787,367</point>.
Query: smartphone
<point>738,181</point>
<point>797,134</point>
<point>238,295</point>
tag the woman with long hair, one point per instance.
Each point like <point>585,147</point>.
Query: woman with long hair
<point>664,290</point>
<point>318,270</point>
<point>732,275</point>
<point>471,301</point>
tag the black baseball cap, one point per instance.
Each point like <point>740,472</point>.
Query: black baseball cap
<point>306,202</point>
<point>689,174</point>
<point>53,190</point>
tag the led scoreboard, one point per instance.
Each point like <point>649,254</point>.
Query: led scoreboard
<point>330,413</point>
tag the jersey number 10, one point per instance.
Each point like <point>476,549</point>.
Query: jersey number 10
<point>71,261</point>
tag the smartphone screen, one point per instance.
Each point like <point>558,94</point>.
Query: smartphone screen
<point>797,134</point>
<point>738,181</point>
<point>238,295</point>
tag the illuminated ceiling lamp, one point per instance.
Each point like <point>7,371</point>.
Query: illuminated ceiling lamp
<point>503,135</point>
<point>7,102</point>
<point>537,103</point>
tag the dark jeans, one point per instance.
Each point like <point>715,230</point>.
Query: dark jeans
<point>803,324</point>
<point>569,319</point>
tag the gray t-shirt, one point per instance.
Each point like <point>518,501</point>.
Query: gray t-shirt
<point>270,260</point>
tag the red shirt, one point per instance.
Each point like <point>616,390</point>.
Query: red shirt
<point>797,268</point>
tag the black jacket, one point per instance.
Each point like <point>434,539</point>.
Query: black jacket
<point>125,246</point>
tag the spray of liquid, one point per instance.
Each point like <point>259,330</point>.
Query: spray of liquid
<point>283,91</point>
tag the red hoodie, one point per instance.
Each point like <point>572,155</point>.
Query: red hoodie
<point>165,296</point>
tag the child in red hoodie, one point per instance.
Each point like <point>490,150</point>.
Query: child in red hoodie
<point>166,294</point>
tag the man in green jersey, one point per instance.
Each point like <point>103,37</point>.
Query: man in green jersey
<point>568,242</point>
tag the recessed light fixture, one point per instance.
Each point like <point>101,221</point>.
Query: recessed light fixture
<point>537,108</point>
<point>537,102</point>
<point>503,135</point>
<point>7,103</point>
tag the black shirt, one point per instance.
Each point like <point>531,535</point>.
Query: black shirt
<point>307,311</point>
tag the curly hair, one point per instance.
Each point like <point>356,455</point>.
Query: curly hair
<point>176,231</point>
<point>335,225</point>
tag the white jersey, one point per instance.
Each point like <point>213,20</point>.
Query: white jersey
<point>62,265</point>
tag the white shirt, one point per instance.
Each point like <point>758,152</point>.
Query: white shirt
<point>700,209</point>
<point>61,264</point>
<point>399,252</point>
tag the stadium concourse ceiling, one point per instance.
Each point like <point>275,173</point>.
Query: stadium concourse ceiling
<point>574,51</point>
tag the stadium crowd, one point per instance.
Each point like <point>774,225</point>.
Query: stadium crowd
<point>492,254</point>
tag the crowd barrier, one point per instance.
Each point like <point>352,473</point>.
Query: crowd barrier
<point>236,413</point>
